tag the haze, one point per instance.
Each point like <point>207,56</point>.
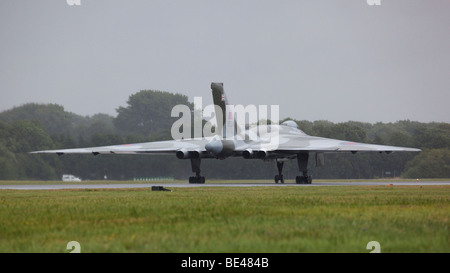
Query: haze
<point>319,60</point>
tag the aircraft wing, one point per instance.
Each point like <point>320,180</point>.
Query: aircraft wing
<point>326,145</point>
<point>157,147</point>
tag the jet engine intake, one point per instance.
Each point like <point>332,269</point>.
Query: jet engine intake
<point>182,154</point>
<point>261,154</point>
<point>185,154</point>
<point>247,154</point>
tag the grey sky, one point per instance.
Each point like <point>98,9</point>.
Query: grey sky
<point>317,59</point>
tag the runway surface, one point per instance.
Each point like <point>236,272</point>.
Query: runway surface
<point>187,185</point>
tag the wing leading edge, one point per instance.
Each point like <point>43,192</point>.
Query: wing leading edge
<point>157,148</point>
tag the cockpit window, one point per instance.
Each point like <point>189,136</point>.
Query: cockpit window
<point>290,123</point>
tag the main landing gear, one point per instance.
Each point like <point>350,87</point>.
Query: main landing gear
<point>197,179</point>
<point>302,162</point>
<point>305,179</point>
<point>279,177</point>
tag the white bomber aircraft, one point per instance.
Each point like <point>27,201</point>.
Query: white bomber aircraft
<point>279,143</point>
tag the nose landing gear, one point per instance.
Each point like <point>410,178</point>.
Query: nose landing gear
<point>279,177</point>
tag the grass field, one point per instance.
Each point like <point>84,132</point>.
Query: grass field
<point>219,219</point>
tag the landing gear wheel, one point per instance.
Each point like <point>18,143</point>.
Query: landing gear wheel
<point>197,180</point>
<point>279,178</point>
<point>303,179</point>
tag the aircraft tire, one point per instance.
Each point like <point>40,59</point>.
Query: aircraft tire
<point>303,179</point>
<point>196,180</point>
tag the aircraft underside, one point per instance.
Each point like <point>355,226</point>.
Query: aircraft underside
<point>302,162</point>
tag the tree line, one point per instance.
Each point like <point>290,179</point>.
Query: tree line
<point>147,117</point>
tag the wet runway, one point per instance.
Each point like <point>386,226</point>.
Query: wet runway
<point>212,184</point>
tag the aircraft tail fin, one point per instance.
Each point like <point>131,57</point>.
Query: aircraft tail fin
<point>226,115</point>
<point>220,100</point>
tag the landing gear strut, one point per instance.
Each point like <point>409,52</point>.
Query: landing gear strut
<point>197,179</point>
<point>279,176</point>
<point>302,161</point>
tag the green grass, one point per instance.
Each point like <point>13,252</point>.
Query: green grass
<point>219,219</point>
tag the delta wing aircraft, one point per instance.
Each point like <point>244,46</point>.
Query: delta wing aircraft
<point>278,143</point>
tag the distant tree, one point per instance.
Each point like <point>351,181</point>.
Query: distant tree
<point>58,122</point>
<point>16,141</point>
<point>322,128</point>
<point>433,135</point>
<point>399,138</point>
<point>149,112</point>
<point>147,117</point>
<point>430,163</point>
<point>348,131</point>
<point>52,116</point>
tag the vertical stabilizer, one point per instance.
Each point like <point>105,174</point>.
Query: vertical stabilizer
<point>226,118</point>
<point>225,114</point>
<point>220,100</point>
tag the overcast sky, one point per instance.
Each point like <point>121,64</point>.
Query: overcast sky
<point>316,59</point>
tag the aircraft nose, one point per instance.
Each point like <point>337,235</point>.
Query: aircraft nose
<point>214,146</point>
